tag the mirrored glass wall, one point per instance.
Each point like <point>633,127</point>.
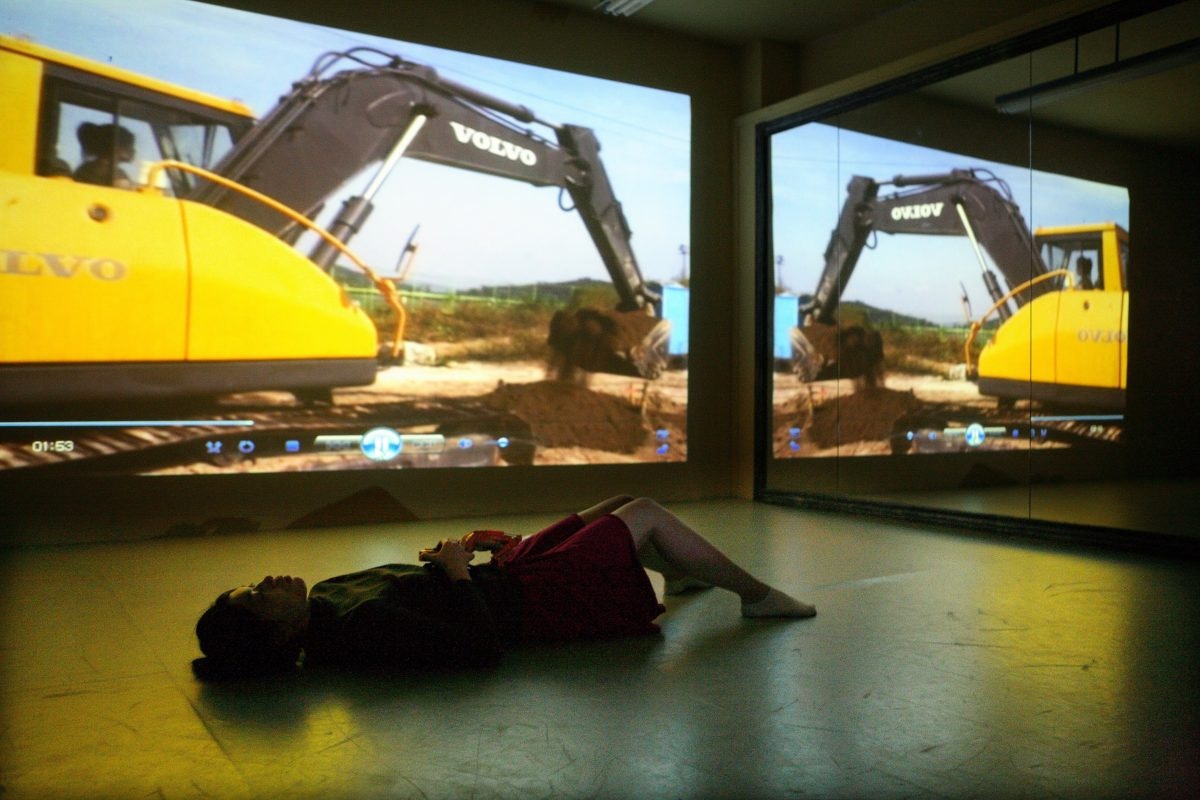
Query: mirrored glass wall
<point>951,269</point>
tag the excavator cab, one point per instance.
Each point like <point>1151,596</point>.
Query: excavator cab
<point>1068,347</point>
<point>113,294</point>
<point>1095,255</point>
<point>103,136</point>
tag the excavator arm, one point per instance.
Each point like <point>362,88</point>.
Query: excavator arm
<point>962,202</point>
<point>970,203</point>
<point>336,122</point>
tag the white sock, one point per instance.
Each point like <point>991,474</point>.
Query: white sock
<point>778,604</point>
<point>683,584</point>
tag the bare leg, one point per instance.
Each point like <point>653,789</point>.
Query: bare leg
<point>677,582</point>
<point>686,552</point>
<point>604,507</point>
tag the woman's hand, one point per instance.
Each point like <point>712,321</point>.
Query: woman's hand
<point>451,556</point>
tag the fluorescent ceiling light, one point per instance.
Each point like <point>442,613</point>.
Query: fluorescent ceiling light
<point>621,8</point>
<point>1177,55</point>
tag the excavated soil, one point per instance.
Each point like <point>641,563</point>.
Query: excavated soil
<point>848,352</point>
<point>667,419</point>
<point>622,330</point>
<point>824,339</point>
<point>868,414</point>
<point>564,414</point>
<point>597,341</point>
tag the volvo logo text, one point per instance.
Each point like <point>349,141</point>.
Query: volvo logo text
<point>1100,336</point>
<point>917,211</point>
<point>57,265</point>
<point>493,144</point>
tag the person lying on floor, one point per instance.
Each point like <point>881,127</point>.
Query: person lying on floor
<point>581,578</point>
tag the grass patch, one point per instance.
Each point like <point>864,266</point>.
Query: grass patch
<point>907,348</point>
<point>488,330</point>
<point>492,332</point>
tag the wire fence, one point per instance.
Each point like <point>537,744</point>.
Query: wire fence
<point>372,302</point>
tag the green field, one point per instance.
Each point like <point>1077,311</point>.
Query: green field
<point>490,324</point>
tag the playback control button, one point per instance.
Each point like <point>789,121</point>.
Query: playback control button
<point>381,444</point>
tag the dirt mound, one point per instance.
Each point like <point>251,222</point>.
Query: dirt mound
<point>840,352</point>
<point>598,341</point>
<point>794,414</point>
<point>667,419</point>
<point>568,415</point>
<point>869,414</point>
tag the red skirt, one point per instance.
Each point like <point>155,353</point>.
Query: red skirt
<point>582,582</point>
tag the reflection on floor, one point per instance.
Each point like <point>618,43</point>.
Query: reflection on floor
<point>939,666</point>
<point>1159,506</point>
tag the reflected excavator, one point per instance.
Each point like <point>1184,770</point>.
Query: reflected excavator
<point>1062,332</point>
<point>193,285</point>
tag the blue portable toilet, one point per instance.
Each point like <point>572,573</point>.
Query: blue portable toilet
<point>676,308</point>
<point>787,316</point>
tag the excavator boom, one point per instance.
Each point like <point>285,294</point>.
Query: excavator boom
<point>962,202</point>
<point>338,122</point>
<point>969,203</point>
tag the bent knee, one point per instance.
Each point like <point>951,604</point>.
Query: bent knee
<point>640,513</point>
<point>642,505</point>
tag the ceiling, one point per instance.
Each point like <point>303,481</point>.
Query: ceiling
<point>1147,109</point>
<point>737,22</point>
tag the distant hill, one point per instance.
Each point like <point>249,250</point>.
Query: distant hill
<point>863,314</point>
<point>561,291</point>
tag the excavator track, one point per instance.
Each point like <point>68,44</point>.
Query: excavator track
<point>148,444</point>
<point>1083,431</point>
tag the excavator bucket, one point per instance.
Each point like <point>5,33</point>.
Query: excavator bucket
<point>619,342</point>
<point>827,352</point>
<point>807,362</point>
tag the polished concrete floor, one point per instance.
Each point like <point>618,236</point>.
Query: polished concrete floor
<point>939,666</point>
<point>1162,506</point>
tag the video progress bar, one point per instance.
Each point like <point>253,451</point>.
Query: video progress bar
<point>991,430</point>
<point>128,423</point>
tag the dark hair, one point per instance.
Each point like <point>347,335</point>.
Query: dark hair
<point>237,643</point>
<point>98,141</point>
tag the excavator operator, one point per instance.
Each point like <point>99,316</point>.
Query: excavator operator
<point>105,148</point>
<point>1083,271</point>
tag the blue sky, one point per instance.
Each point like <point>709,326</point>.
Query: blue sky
<point>916,275</point>
<point>474,229</point>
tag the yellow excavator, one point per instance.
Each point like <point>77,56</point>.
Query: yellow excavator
<point>1064,314</point>
<point>183,277</point>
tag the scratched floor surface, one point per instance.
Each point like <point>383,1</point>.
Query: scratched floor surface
<point>939,666</point>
